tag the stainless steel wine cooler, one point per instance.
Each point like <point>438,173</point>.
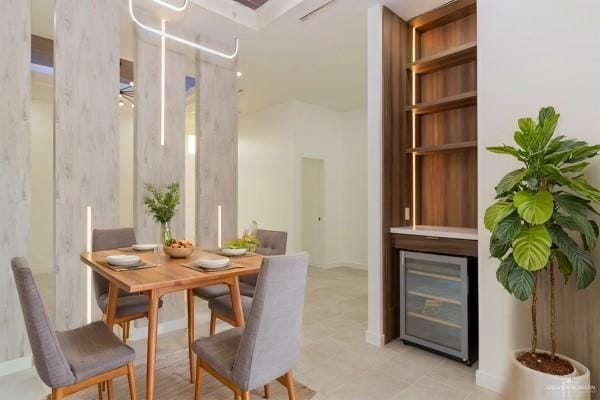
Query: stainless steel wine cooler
<point>438,309</point>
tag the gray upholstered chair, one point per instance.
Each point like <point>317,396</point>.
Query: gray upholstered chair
<point>268,347</point>
<point>73,360</point>
<point>130,306</point>
<point>272,243</point>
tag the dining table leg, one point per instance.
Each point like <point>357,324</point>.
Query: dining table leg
<point>111,308</point>
<point>153,299</point>
<point>236,301</point>
<point>191,332</point>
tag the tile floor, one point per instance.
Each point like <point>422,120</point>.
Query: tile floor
<point>335,361</point>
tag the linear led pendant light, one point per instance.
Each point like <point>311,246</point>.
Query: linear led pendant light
<point>176,38</point>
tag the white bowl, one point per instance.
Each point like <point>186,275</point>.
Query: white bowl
<point>144,247</point>
<point>122,260</point>
<point>212,263</point>
<point>234,252</point>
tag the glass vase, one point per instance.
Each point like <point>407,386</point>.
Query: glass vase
<point>165,232</point>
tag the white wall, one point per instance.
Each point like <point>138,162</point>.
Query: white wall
<point>42,175</point>
<point>272,143</point>
<point>126,166</point>
<point>530,54</point>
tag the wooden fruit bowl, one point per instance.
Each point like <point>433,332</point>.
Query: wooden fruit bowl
<point>181,252</point>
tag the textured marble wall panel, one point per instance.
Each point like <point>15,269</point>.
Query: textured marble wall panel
<point>216,149</point>
<point>15,182</point>
<point>86,89</point>
<point>153,162</point>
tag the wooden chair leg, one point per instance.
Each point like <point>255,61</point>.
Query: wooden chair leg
<point>123,326</point>
<point>109,387</point>
<point>191,332</point>
<point>198,387</point>
<point>131,379</point>
<point>245,395</point>
<point>267,391</point>
<point>103,386</point>
<point>100,391</point>
<point>213,323</point>
<point>288,381</point>
<point>57,394</point>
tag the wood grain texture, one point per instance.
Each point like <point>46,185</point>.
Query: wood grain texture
<point>15,169</point>
<point>86,141</point>
<point>439,245</point>
<point>216,149</point>
<point>396,168</point>
<point>153,163</point>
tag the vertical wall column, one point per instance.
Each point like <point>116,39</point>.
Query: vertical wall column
<point>15,169</point>
<point>216,149</point>
<point>86,143</point>
<point>154,162</point>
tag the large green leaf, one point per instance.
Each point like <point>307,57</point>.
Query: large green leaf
<point>511,180</point>
<point>520,283</point>
<point>571,204</point>
<point>564,266</point>
<point>504,149</point>
<point>581,260</point>
<point>507,265</point>
<point>496,213</point>
<point>531,248</point>
<point>499,247</point>
<point>547,121</point>
<point>534,208</point>
<point>581,187</point>
<point>509,227</point>
<point>579,224</point>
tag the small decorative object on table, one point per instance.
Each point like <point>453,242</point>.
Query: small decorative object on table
<point>542,228</point>
<point>248,242</point>
<point>162,206</point>
<point>178,248</point>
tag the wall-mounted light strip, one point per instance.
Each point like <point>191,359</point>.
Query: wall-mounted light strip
<point>414,131</point>
<point>181,40</point>
<point>88,277</point>
<point>171,6</point>
<point>219,232</point>
<point>163,25</point>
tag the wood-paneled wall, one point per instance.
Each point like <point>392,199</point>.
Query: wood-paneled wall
<point>15,169</point>
<point>86,142</point>
<point>154,163</point>
<point>216,149</point>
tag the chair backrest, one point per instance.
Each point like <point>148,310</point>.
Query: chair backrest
<point>272,243</point>
<point>108,239</point>
<point>271,340</point>
<point>48,357</point>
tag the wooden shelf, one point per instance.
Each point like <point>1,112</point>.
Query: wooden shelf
<point>445,103</point>
<point>448,58</point>
<point>424,150</point>
<point>444,15</point>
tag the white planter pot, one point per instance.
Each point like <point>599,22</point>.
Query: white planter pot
<point>528,384</point>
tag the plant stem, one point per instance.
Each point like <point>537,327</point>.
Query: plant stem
<point>552,308</point>
<point>534,313</point>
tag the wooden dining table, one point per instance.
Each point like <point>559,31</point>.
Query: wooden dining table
<point>168,275</point>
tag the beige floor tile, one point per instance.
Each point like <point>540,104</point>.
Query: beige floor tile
<point>429,389</point>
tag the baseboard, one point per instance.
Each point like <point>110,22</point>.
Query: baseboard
<point>138,333</point>
<point>374,338</point>
<point>16,365</point>
<point>344,264</point>
<point>490,382</point>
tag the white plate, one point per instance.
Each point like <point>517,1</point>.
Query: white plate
<point>122,260</point>
<point>144,247</point>
<point>214,263</point>
<point>234,252</point>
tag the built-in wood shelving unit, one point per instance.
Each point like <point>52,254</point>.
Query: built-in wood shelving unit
<point>444,103</point>
<point>444,59</point>
<point>425,150</point>
<point>429,140</point>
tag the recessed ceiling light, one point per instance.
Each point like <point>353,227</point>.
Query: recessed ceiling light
<point>239,74</point>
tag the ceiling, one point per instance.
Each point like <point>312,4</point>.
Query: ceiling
<point>320,61</point>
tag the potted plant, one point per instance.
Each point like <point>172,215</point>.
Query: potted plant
<point>541,222</point>
<point>162,205</point>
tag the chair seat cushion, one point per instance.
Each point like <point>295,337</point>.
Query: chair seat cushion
<point>130,304</point>
<point>219,351</point>
<point>93,349</point>
<point>212,291</point>
<point>222,306</point>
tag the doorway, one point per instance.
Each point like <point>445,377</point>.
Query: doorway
<point>313,209</point>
